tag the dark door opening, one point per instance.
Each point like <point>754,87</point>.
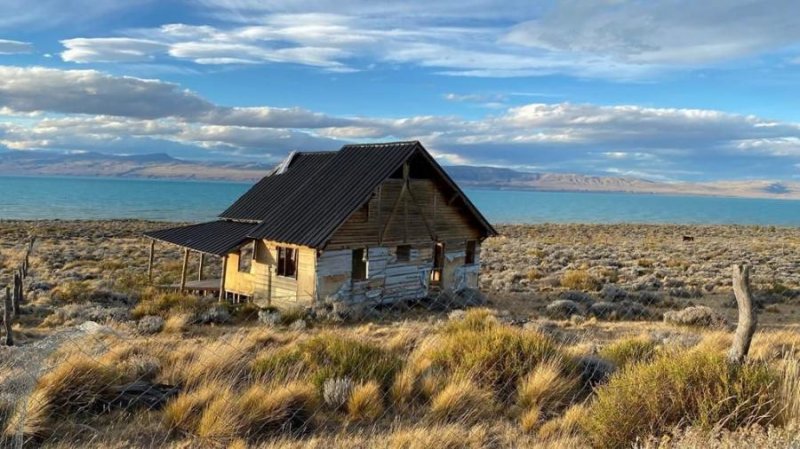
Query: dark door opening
<point>438,263</point>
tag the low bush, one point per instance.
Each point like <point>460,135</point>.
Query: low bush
<point>463,402</point>
<point>366,402</point>
<point>694,388</point>
<point>73,291</point>
<point>328,356</point>
<point>78,384</point>
<point>166,304</point>
<point>478,347</point>
<point>629,350</point>
<point>547,388</point>
<point>579,280</point>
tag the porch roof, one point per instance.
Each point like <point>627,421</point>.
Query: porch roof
<point>215,237</point>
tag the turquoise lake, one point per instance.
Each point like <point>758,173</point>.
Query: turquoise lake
<point>100,198</point>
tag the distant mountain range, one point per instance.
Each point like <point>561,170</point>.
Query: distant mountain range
<point>160,165</point>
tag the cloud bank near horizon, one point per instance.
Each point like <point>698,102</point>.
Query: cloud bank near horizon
<point>90,110</point>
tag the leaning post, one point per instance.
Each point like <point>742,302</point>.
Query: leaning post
<point>748,320</point>
<point>7,318</point>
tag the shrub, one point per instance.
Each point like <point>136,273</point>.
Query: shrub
<point>493,355</point>
<point>366,402</point>
<point>164,304</point>
<point>579,280</point>
<point>336,392</point>
<point>150,324</point>
<point>463,402</point>
<point>216,413</point>
<point>79,383</point>
<point>701,316</point>
<point>629,350</point>
<point>546,388</point>
<point>73,291</point>
<point>562,309</point>
<point>328,356</point>
<point>695,388</point>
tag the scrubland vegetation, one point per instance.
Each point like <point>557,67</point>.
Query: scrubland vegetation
<point>516,373</point>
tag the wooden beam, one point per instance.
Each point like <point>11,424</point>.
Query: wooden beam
<point>392,214</point>
<point>183,271</point>
<point>422,214</point>
<point>453,199</point>
<point>200,268</point>
<point>150,261</point>
<point>222,278</point>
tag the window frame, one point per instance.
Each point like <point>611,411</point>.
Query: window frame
<point>286,265</point>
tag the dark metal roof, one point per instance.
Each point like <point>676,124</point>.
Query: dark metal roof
<point>259,202</point>
<point>215,237</point>
<point>316,209</point>
<point>305,200</point>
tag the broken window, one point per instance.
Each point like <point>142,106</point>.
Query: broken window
<point>469,257</point>
<point>359,264</point>
<point>287,262</point>
<point>404,253</point>
<point>246,257</point>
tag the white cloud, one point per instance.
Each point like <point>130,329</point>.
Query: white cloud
<point>91,110</point>
<point>9,47</point>
<point>609,40</point>
<point>110,49</point>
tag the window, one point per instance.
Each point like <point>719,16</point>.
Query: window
<point>404,253</point>
<point>469,257</point>
<point>359,264</point>
<point>287,262</point>
<point>246,257</point>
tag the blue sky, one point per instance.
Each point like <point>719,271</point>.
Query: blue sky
<point>669,90</point>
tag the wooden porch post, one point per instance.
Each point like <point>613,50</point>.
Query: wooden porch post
<point>150,262</point>
<point>222,278</point>
<point>183,271</point>
<point>200,269</point>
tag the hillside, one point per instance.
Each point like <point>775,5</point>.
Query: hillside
<point>160,165</point>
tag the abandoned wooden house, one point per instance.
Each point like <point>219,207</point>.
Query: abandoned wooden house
<point>370,223</point>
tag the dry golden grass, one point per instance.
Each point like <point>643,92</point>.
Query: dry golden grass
<point>365,402</point>
<point>579,280</point>
<point>463,402</point>
<point>547,388</point>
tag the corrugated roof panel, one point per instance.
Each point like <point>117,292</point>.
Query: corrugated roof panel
<point>215,237</point>
<point>257,202</point>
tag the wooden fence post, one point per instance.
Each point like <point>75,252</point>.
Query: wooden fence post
<point>150,262</point>
<point>222,278</point>
<point>748,320</point>
<point>185,266</point>
<point>200,268</point>
<point>7,318</point>
<point>17,294</point>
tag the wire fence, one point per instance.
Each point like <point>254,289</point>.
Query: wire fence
<point>156,369</point>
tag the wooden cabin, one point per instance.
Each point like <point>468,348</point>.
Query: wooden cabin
<point>368,224</point>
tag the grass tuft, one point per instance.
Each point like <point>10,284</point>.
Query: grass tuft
<point>463,402</point>
<point>366,402</point>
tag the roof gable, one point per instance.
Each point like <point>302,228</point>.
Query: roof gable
<point>312,194</point>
